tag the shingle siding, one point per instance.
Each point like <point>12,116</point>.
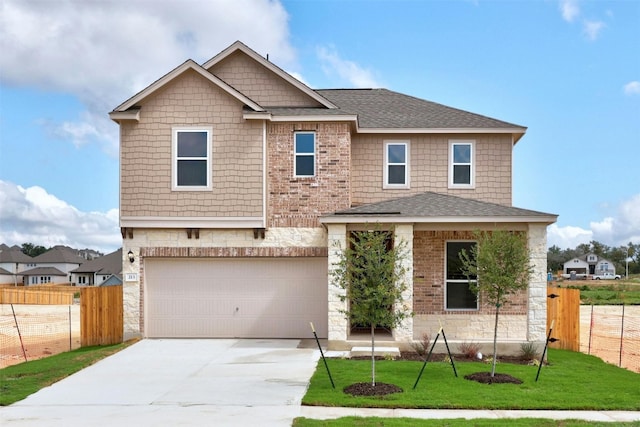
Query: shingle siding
<point>145,154</point>
<point>259,84</point>
<point>429,167</point>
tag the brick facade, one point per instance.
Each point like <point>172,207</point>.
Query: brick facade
<point>429,280</point>
<point>297,202</point>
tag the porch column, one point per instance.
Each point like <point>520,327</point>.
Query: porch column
<point>338,325</point>
<point>537,312</point>
<point>404,233</point>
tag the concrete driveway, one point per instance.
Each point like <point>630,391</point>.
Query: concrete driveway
<point>224,382</point>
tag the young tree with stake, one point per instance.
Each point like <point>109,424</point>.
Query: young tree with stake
<point>372,275</point>
<point>497,267</point>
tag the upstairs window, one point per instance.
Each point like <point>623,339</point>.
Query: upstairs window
<point>191,159</point>
<point>458,295</point>
<point>305,154</point>
<point>396,164</point>
<point>461,164</point>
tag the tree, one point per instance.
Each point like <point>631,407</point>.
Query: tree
<point>497,267</point>
<point>370,272</point>
<point>33,250</point>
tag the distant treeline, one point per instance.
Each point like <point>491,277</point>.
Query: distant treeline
<point>556,257</point>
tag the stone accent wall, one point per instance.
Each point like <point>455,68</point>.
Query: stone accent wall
<point>429,167</point>
<point>281,242</point>
<point>537,313</point>
<point>298,202</point>
<point>259,84</point>
<point>404,233</point>
<point>338,324</point>
<point>146,162</point>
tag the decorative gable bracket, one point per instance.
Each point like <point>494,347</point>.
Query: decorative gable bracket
<point>126,232</point>
<point>258,233</point>
<point>193,232</point>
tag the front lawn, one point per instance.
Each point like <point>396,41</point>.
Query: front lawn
<point>570,381</point>
<point>458,422</point>
<point>19,381</point>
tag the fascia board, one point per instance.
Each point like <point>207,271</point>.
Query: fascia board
<point>272,67</point>
<point>318,118</point>
<point>349,219</point>
<point>515,131</point>
<point>188,65</point>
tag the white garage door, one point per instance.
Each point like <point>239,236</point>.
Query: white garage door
<point>235,297</point>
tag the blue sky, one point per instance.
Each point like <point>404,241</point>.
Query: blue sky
<point>568,70</point>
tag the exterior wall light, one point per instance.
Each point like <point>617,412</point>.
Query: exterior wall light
<point>131,258</point>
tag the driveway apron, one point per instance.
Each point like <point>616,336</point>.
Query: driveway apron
<point>159,382</point>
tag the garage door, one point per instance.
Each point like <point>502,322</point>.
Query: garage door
<point>235,297</point>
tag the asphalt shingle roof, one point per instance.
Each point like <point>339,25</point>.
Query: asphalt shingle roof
<point>434,205</point>
<point>44,271</point>
<point>108,264</point>
<point>382,108</point>
<point>59,254</point>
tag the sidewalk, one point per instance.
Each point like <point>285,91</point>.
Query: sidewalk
<point>325,413</point>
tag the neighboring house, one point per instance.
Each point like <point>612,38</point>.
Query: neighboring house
<point>239,184</point>
<point>589,264</point>
<point>59,258</point>
<point>13,262</point>
<point>43,275</point>
<point>98,270</point>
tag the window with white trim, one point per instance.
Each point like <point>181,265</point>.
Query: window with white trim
<point>461,164</point>
<point>458,295</point>
<point>396,164</point>
<point>304,162</point>
<point>191,152</point>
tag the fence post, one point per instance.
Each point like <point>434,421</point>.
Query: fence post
<point>621,338</point>
<point>70,329</point>
<point>19,334</point>
<point>590,329</point>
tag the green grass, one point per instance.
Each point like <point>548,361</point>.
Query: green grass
<point>459,422</point>
<point>606,292</point>
<point>19,381</point>
<point>571,381</point>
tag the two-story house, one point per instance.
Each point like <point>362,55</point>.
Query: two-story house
<point>52,266</point>
<point>239,184</point>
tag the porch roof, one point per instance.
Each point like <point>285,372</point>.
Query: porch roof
<point>43,271</point>
<point>433,207</point>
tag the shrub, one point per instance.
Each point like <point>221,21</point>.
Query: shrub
<point>528,350</point>
<point>422,347</point>
<point>469,350</point>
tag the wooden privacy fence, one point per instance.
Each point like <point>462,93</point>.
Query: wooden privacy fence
<point>563,307</point>
<point>43,296</point>
<point>101,317</point>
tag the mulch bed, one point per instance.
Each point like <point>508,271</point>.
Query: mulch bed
<point>486,378</point>
<point>367,389</point>
<point>382,389</point>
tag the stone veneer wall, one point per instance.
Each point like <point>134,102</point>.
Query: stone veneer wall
<point>298,202</point>
<point>278,242</point>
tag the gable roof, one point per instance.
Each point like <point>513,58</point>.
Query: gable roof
<point>59,254</point>
<point>108,264</point>
<point>125,111</point>
<point>435,207</point>
<point>239,46</point>
<point>4,272</point>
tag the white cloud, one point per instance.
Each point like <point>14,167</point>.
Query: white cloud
<point>632,88</point>
<point>592,29</point>
<point>569,9</point>
<point>346,70</point>
<point>105,52</point>
<point>35,216</point>
<point>617,230</point>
